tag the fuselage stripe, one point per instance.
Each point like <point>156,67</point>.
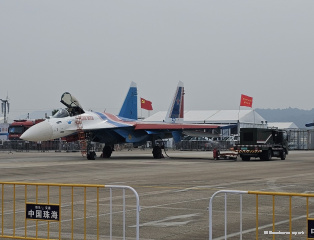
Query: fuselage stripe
<point>115,122</point>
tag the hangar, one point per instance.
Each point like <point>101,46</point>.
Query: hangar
<point>283,125</point>
<point>235,119</point>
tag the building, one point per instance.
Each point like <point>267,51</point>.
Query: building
<point>231,120</point>
<point>283,125</point>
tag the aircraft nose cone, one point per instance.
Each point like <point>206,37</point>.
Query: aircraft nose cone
<point>40,132</point>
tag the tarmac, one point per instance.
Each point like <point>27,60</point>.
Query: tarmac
<point>174,191</point>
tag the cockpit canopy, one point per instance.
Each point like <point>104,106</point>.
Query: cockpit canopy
<point>74,107</point>
<point>62,113</point>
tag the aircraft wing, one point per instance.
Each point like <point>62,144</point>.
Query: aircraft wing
<point>176,129</point>
<point>173,126</point>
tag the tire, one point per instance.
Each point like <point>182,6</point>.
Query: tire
<point>266,155</point>
<point>91,156</point>
<point>283,155</point>
<point>157,152</point>
<point>245,158</point>
<point>106,152</point>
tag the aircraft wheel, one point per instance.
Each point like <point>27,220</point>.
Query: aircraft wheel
<point>157,152</point>
<point>106,152</point>
<point>91,156</point>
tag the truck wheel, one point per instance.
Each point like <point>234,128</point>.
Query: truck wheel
<point>266,155</point>
<point>283,155</point>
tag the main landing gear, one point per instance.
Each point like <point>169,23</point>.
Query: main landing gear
<point>157,152</point>
<point>91,154</point>
<point>107,151</point>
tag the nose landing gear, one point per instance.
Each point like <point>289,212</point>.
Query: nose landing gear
<point>91,154</point>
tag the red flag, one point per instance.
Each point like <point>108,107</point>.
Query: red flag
<point>146,104</point>
<point>246,101</point>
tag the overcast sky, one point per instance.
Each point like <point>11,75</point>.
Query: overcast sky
<point>220,49</point>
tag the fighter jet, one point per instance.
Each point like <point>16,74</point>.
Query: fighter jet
<point>111,129</point>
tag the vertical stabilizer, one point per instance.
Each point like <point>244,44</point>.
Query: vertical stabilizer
<point>129,107</point>
<point>175,113</point>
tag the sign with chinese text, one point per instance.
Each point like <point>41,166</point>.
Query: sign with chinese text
<point>50,212</point>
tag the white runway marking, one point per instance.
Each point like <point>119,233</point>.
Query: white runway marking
<point>170,221</point>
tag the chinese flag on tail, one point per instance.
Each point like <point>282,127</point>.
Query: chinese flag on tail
<point>146,104</point>
<point>246,101</point>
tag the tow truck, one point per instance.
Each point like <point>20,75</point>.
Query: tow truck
<point>263,143</point>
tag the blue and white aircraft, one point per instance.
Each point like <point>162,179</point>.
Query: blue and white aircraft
<point>111,129</point>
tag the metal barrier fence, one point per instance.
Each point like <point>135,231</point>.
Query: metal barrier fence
<point>54,145</point>
<point>21,146</point>
<point>272,220</point>
<point>68,211</point>
<point>203,145</point>
<point>301,139</point>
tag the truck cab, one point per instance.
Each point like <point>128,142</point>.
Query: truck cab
<point>18,127</point>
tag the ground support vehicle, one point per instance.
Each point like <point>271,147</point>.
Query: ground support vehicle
<point>224,155</point>
<point>228,155</point>
<point>18,127</point>
<point>263,143</point>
